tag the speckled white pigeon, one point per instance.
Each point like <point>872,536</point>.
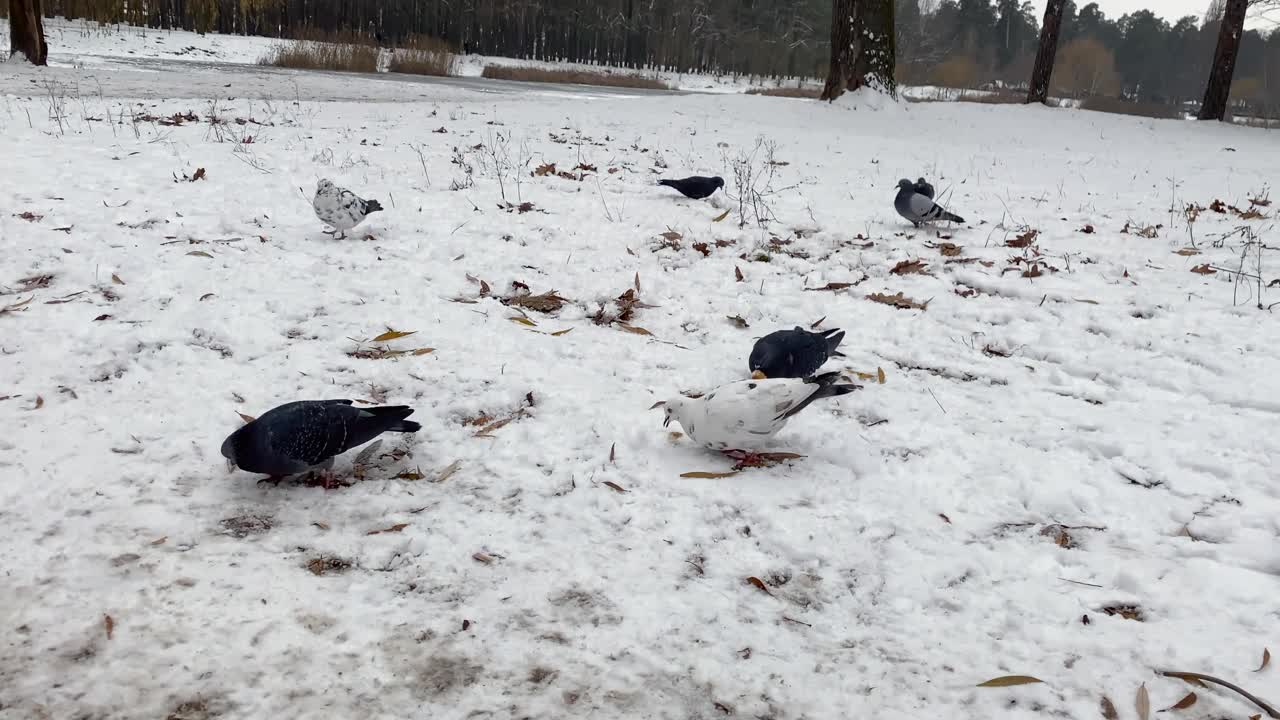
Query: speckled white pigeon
<point>340,208</point>
<point>744,414</point>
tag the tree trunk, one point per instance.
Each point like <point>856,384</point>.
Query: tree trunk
<point>1218,91</point>
<point>1039,91</point>
<point>862,47</point>
<point>26,31</point>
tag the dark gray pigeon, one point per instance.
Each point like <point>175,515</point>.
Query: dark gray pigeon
<point>919,207</point>
<point>794,353</point>
<point>300,436</point>
<point>924,188</point>
<point>696,187</point>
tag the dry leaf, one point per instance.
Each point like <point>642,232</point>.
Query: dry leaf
<point>116,279</point>
<point>1203,269</point>
<point>39,402</point>
<point>864,376</point>
<point>246,418</point>
<point>393,529</point>
<point>558,333</point>
<point>448,472</point>
<point>109,624</point>
<point>206,296</point>
<point>636,329</point>
<point>1109,709</point>
<point>548,169</point>
<point>201,253</point>
<point>671,235</point>
<point>738,321</point>
<point>1266,660</point>
<point>1087,230</point>
<point>737,273</point>
<point>898,300</point>
<point>482,558</point>
<point>422,351</point>
<point>720,217</point>
<point>949,249</point>
<point>1189,679</point>
<point>410,475</point>
<point>392,335</point>
<point>759,584</point>
<point>1023,240</point>
<point>1143,703</point>
<point>833,286</point>
<point>613,451</point>
<point>524,321</point>
<point>614,485</point>
<point>909,267</point>
<point>1010,680</point>
<point>160,541</point>
<point>199,175</point>
<point>1187,252</point>
<point>637,283</point>
<point>701,474</point>
<point>817,322</point>
<point>702,248</point>
<point>1184,703</point>
<point>880,375</point>
<point>944,517</point>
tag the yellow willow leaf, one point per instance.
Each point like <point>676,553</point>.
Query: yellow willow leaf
<point>720,217</point>
<point>701,474</point>
<point>392,335</point>
<point>524,321</point>
<point>1010,680</point>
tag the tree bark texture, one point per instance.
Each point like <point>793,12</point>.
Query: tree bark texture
<point>1218,91</point>
<point>862,47</point>
<point>1043,70</point>
<point>26,31</point>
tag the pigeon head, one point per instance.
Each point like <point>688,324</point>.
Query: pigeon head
<point>671,408</point>
<point>906,184</point>
<point>762,356</point>
<point>719,181</point>
<point>324,185</point>
<point>233,446</point>
<point>921,181</point>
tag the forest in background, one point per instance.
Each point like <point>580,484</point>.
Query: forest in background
<point>953,43</point>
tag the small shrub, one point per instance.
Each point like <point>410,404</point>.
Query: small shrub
<point>424,56</point>
<point>576,77</point>
<point>789,92</point>
<point>1124,107</point>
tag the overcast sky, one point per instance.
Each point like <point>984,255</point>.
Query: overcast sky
<point>1170,10</point>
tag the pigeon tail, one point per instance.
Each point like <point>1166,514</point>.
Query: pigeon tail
<point>827,387</point>
<point>371,206</point>
<point>833,341</point>
<point>950,217</point>
<point>395,412</point>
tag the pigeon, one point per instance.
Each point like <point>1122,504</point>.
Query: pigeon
<point>924,188</point>
<point>919,207</point>
<point>696,187</point>
<point>739,415</point>
<point>301,436</point>
<point>340,208</point>
<point>794,353</point>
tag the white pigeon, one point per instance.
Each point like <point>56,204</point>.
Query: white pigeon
<point>742,415</point>
<point>340,208</point>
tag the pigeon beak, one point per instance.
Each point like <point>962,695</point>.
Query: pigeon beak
<point>759,375</point>
<point>657,405</point>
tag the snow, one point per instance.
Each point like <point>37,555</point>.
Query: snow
<point>1119,394</point>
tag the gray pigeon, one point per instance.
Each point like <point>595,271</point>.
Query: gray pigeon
<point>924,188</point>
<point>794,353</point>
<point>340,208</point>
<point>919,207</point>
<point>300,436</point>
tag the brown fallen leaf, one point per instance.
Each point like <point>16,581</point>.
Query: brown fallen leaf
<point>1023,240</point>
<point>1087,230</point>
<point>1266,660</point>
<point>816,323</point>
<point>720,217</point>
<point>702,248</point>
<point>737,273</point>
<point>1010,680</point>
<point>1187,252</point>
<point>637,283</point>
<point>116,279</point>
<point>1033,271</point>
<point>671,235</point>
<point>410,475</point>
<point>1109,709</point>
<point>880,375</point>
<point>109,624</point>
<point>944,517</point>
<point>708,475</point>
<point>614,486</point>
<point>393,335</point>
<point>206,296</point>
<point>200,253</point>
<point>393,529</point>
<point>759,584</point>
<point>635,329</point>
<point>199,175</point>
<point>483,558</point>
<point>738,321</point>
<point>1143,703</point>
<point>613,452</point>
<point>1184,703</point>
<point>949,249</point>
<point>160,541</point>
<point>39,402</point>
<point>1203,269</point>
<point>102,317</point>
<point>833,286</point>
<point>547,169</point>
<point>909,267</point>
<point>898,300</point>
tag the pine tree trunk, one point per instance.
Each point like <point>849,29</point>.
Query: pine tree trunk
<point>1218,91</point>
<point>26,31</point>
<point>862,47</point>
<point>1040,76</point>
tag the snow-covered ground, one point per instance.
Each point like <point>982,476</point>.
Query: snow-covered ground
<point>1080,424</point>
